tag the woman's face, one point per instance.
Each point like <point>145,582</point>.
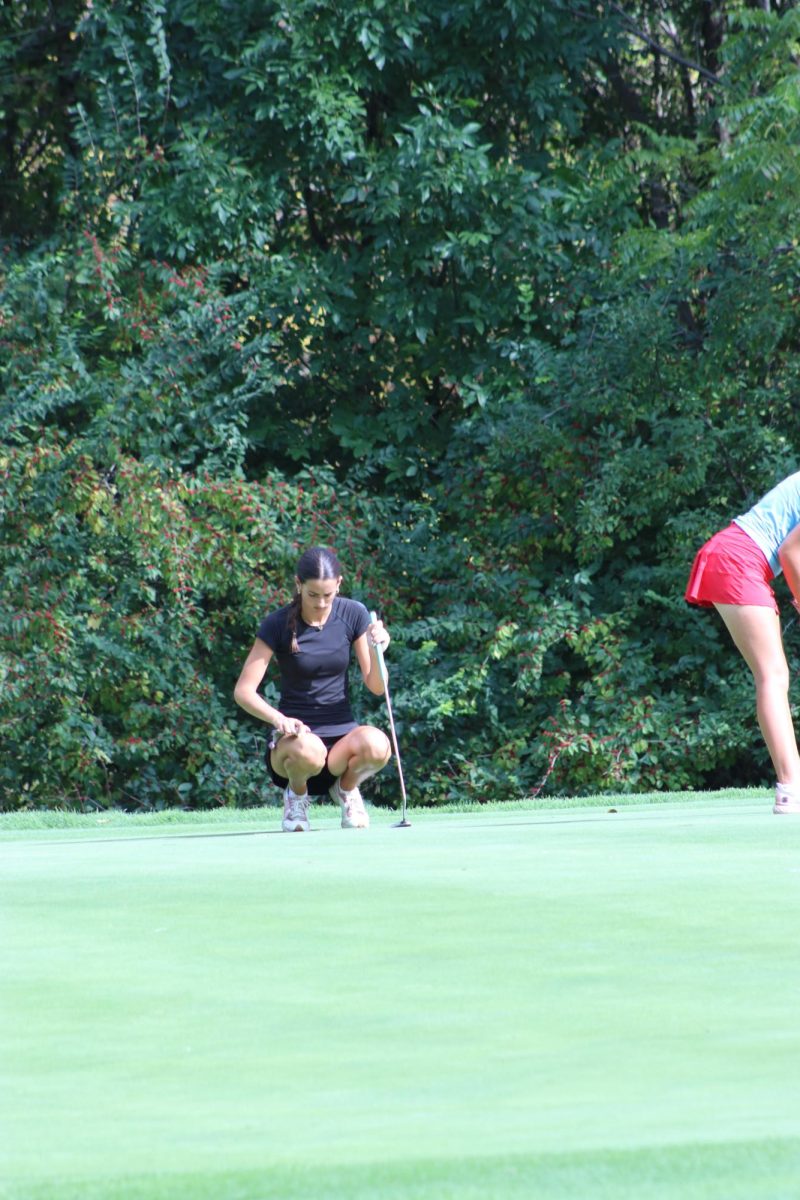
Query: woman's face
<point>316,599</point>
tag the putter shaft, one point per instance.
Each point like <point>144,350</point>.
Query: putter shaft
<point>387,698</point>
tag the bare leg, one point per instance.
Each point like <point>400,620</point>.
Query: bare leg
<point>298,758</point>
<point>756,632</point>
<point>361,753</point>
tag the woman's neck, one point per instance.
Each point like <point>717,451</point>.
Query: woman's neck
<point>315,622</point>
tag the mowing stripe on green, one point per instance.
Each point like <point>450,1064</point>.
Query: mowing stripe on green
<point>692,1172</point>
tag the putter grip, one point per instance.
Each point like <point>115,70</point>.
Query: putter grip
<point>373,616</point>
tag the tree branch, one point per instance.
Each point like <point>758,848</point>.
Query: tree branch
<point>660,49</point>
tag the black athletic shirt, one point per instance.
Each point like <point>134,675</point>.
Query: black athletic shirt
<point>314,683</point>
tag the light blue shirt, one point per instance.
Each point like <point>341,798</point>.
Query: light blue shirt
<point>772,519</point>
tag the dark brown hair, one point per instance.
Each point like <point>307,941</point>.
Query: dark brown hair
<point>316,563</point>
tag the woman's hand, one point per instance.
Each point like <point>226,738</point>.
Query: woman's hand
<point>291,727</point>
<point>378,635</point>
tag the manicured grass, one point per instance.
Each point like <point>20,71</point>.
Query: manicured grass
<point>525,1003</point>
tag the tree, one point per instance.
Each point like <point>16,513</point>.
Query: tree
<point>518,284</point>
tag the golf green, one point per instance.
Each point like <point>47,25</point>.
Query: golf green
<point>525,1004</point>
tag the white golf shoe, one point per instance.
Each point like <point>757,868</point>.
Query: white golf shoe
<point>354,815</point>
<point>295,812</point>
<point>787,800</point>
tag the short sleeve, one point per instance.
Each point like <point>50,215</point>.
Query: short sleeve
<point>361,621</point>
<point>272,628</point>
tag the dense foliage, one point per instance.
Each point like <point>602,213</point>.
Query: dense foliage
<point>498,300</point>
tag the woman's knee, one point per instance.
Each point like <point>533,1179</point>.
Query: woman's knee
<point>364,747</point>
<point>772,678</point>
<point>306,752</point>
<point>374,746</point>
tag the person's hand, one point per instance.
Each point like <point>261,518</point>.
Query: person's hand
<point>292,727</point>
<point>378,635</point>
<point>796,605</point>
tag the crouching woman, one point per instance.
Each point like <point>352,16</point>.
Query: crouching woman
<point>317,747</point>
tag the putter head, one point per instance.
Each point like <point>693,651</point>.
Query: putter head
<point>404,824</point>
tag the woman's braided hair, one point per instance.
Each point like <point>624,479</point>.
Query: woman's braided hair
<point>316,563</point>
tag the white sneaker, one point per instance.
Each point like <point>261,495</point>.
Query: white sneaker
<point>787,800</point>
<point>295,812</point>
<point>354,815</point>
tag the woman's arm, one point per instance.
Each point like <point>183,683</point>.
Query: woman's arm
<point>247,696</point>
<point>789,555</point>
<point>367,655</point>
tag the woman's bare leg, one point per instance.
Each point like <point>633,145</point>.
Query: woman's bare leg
<point>756,632</point>
<point>361,753</point>
<point>297,758</point>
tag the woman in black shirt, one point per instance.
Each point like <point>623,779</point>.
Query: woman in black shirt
<point>317,746</point>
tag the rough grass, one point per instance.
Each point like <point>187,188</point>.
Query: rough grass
<point>268,814</point>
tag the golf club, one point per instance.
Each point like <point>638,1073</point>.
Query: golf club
<point>404,823</point>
